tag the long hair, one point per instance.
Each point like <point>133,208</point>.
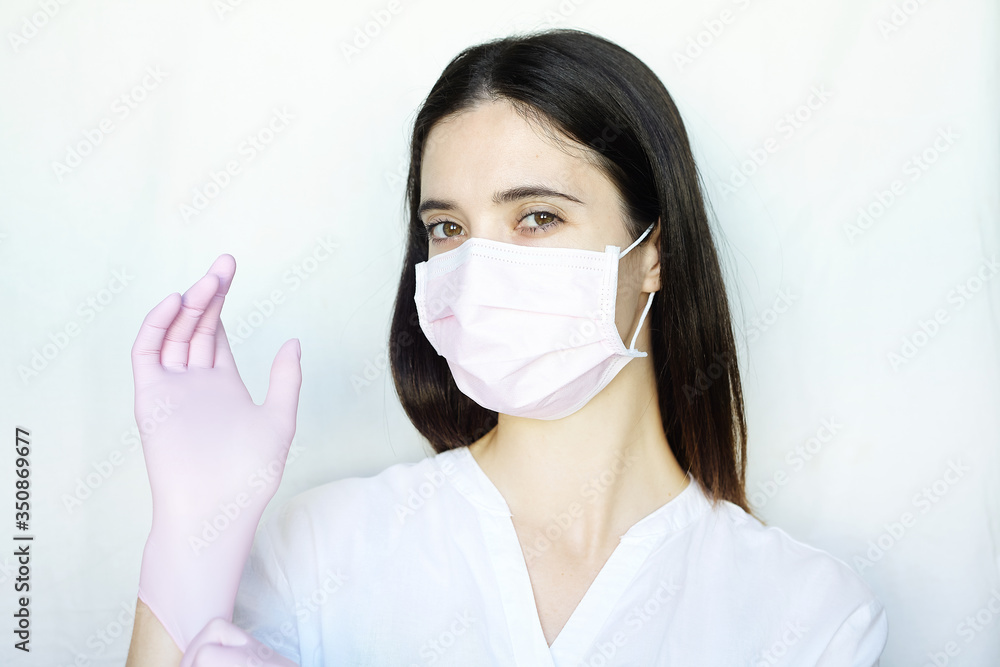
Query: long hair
<point>603,97</point>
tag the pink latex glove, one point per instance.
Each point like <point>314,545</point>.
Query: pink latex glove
<point>214,457</point>
<point>222,644</point>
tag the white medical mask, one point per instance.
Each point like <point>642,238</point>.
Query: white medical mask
<point>526,330</point>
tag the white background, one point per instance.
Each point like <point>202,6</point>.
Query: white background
<point>896,77</point>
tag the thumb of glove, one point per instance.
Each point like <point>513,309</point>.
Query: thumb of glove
<point>282,400</point>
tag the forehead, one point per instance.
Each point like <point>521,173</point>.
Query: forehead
<point>491,146</point>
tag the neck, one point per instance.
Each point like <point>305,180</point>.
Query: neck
<point>590,476</point>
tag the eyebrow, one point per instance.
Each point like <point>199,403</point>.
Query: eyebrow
<point>502,197</point>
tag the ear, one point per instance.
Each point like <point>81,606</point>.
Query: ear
<point>651,256</point>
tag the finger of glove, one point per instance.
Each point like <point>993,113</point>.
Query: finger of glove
<point>202,352</point>
<point>213,655</point>
<point>218,633</point>
<point>177,342</point>
<point>282,399</point>
<point>223,353</point>
<point>148,344</point>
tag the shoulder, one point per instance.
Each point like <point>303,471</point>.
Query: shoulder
<point>808,589</point>
<point>782,561</point>
<point>385,499</point>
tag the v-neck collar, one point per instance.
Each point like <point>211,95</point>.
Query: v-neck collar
<point>517,596</point>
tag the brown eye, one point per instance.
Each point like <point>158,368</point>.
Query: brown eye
<point>542,220</point>
<point>441,231</point>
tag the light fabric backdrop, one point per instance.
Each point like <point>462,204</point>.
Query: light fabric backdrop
<point>850,151</point>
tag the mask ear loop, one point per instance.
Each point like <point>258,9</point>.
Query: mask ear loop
<point>636,242</point>
<point>649,301</point>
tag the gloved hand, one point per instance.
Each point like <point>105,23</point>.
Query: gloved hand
<point>214,458</point>
<point>222,644</point>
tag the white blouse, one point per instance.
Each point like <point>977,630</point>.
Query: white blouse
<point>420,565</point>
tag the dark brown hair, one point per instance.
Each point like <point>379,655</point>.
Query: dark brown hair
<point>603,97</point>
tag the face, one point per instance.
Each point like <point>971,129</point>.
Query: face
<point>489,173</point>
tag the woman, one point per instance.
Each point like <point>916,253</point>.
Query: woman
<point>586,503</point>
